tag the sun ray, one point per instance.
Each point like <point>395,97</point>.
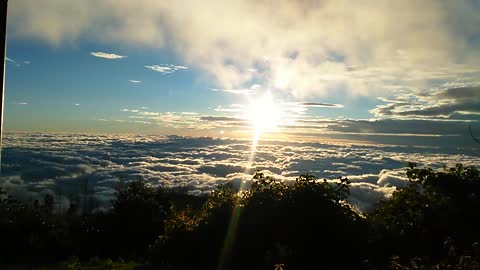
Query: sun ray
<point>263,115</point>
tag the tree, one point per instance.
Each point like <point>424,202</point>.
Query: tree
<point>48,203</point>
<point>297,224</point>
<point>135,220</point>
<point>433,207</point>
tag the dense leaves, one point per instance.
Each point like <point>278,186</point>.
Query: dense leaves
<point>432,222</point>
<point>272,222</point>
<point>435,213</point>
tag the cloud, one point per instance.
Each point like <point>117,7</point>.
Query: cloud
<point>134,81</point>
<point>218,118</point>
<point>21,103</point>
<point>17,63</point>
<point>299,48</point>
<point>107,55</point>
<point>320,105</point>
<point>36,163</point>
<point>166,69</point>
<point>76,104</point>
<point>149,113</point>
<point>459,103</point>
<point>234,91</point>
<point>247,91</point>
<point>129,110</point>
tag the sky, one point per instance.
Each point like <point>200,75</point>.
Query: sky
<point>395,72</point>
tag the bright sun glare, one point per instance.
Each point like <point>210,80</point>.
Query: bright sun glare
<point>264,115</point>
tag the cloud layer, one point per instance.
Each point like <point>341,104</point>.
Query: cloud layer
<point>37,163</point>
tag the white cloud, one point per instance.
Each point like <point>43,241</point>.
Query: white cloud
<point>161,69</point>
<point>303,48</point>
<point>107,55</point>
<point>234,91</point>
<point>165,69</point>
<point>149,113</point>
<point>17,63</point>
<point>21,103</point>
<point>129,110</point>
<point>180,67</point>
<point>76,104</point>
<point>247,91</point>
<point>134,81</point>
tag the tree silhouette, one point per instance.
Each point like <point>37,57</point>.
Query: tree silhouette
<point>48,203</point>
<point>434,207</point>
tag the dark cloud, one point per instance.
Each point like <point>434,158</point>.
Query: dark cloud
<point>221,170</point>
<point>218,118</point>
<point>459,103</point>
<point>462,93</point>
<point>444,110</point>
<point>319,104</point>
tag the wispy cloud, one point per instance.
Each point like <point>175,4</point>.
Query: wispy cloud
<point>149,113</point>
<point>107,55</point>
<point>128,110</point>
<point>166,69</point>
<point>134,81</point>
<point>76,104</point>
<point>17,63</point>
<point>319,105</point>
<point>21,103</point>
<point>245,91</point>
<point>234,91</point>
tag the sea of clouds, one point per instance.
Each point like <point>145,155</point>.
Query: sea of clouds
<point>34,164</point>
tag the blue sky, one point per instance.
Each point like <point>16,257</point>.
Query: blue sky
<point>293,69</point>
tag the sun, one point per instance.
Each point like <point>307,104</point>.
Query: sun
<point>264,115</point>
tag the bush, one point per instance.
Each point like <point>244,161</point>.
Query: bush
<point>299,224</point>
<point>434,207</point>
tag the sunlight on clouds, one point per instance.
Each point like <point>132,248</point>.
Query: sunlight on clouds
<point>304,48</point>
<point>202,163</point>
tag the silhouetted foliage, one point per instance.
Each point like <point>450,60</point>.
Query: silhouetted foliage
<point>431,223</point>
<point>274,222</point>
<point>433,208</point>
<point>48,203</point>
<point>135,220</point>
